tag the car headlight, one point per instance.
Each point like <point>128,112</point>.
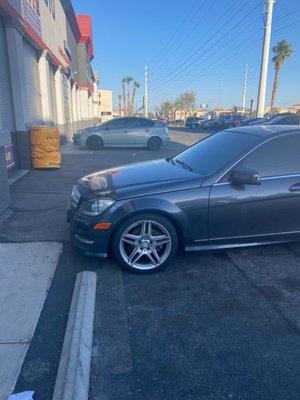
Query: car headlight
<point>96,206</point>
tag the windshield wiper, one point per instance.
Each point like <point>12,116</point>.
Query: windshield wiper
<point>183,164</point>
<point>170,160</point>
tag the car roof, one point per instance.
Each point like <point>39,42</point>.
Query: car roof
<point>267,130</point>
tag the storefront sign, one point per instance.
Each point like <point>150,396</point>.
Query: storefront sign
<point>9,156</point>
<point>31,13</point>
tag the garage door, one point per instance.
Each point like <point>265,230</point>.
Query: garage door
<point>7,120</point>
<point>33,106</point>
<point>6,104</point>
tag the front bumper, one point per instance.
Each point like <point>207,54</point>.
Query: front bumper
<point>84,237</point>
<point>78,139</point>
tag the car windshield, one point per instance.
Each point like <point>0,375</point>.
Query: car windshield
<point>216,151</point>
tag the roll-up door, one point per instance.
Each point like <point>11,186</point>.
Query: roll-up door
<point>6,103</point>
<point>34,107</point>
<point>7,120</point>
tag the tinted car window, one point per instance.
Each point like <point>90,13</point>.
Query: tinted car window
<point>217,151</point>
<point>147,123</point>
<point>118,123</point>
<point>132,123</point>
<point>279,156</point>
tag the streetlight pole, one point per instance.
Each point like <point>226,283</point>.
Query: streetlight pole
<point>265,60</point>
<point>146,93</point>
<point>245,90</point>
<point>219,95</point>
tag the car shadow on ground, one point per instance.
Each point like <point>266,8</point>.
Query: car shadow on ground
<point>211,325</point>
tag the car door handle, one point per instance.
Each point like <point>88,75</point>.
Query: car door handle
<point>295,187</point>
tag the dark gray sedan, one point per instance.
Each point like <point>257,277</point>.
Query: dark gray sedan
<point>124,132</point>
<point>238,187</point>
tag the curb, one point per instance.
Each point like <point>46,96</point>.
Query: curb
<point>72,381</point>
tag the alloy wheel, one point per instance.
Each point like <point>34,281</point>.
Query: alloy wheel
<point>145,245</point>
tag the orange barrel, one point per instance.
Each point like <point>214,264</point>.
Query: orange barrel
<point>45,147</point>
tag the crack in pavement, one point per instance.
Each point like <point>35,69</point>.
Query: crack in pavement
<point>263,294</point>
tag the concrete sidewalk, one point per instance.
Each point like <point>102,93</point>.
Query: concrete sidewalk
<point>26,271</point>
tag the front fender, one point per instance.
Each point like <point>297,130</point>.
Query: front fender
<point>131,207</point>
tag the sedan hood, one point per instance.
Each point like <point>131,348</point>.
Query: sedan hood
<point>138,180</point>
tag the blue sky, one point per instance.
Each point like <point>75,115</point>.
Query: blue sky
<point>192,45</point>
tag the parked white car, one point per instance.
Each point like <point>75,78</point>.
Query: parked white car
<point>124,132</point>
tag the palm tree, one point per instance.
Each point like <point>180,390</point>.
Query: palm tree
<point>124,80</point>
<point>129,79</point>
<point>120,104</point>
<point>281,50</point>
<point>136,85</point>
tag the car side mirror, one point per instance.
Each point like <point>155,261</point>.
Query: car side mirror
<point>245,176</point>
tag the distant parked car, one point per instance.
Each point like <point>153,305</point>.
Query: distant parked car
<point>189,121</point>
<point>259,121</point>
<point>195,123</point>
<point>230,121</point>
<point>124,132</point>
<point>248,121</point>
<point>291,119</point>
<point>210,124</point>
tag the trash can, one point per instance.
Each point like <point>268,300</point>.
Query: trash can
<point>45,147</point>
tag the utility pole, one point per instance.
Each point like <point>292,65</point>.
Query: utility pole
<point>245,90</point>
<point>146,93</point>
<point>265,60</point>
<point>219,96</point>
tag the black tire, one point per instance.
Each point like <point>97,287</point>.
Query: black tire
<point>154,143</point>
<point>94,143</point>
<point>153,218</point>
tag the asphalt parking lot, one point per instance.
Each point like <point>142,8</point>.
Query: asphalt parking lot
<point>212,325</point>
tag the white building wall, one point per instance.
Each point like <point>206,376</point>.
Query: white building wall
<point>96,109</point>
<point>84,104</point>
<point>59,97</point>
<point>43,98</point>
<point>74,103</point>
<point>44,77</point>
<point>54,30</point>
<point>78,100</point>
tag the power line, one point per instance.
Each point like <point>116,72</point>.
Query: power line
<point>223,15</point>
<point>224,62</point>
<point>199,48</point>
<point>255,33</point>
<point>203,54</point>
<point>188,33</point>
<point>173,38</point>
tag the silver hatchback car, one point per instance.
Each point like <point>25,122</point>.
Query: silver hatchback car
<point>124,132</point>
